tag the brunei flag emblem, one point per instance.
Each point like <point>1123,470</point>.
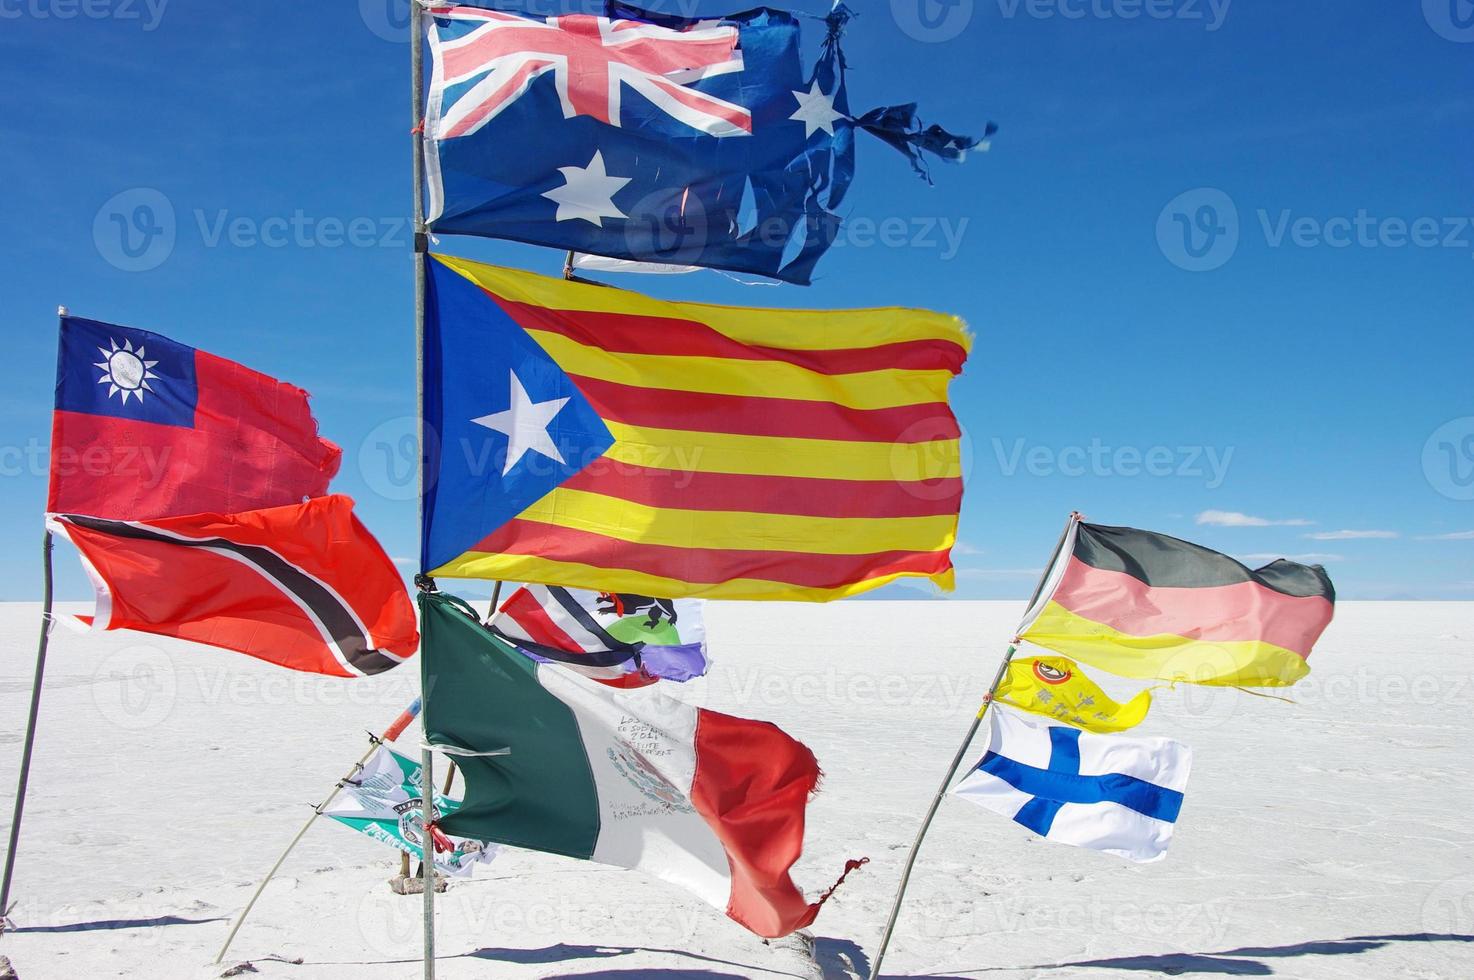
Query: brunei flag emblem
<point>586,436</point>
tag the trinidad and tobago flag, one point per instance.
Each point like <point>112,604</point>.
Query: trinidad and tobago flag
<point>304,586</point>
<point>145,427</point>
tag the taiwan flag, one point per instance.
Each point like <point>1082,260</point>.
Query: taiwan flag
<point>146,427</point>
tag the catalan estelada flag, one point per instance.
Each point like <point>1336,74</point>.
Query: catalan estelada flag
<point>1146,605</point>
<point>585,436</point>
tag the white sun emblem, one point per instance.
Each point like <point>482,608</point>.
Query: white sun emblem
<point>125,370</point>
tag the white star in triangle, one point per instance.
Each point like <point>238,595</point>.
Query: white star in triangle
<point>525,424</point>
<point>816,110</point>
<point>587,193</point>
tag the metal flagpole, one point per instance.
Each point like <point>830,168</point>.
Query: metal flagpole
<point>977,721</point>
<point>422,247</point>
<point>25,759</point>
<point>390,734</point>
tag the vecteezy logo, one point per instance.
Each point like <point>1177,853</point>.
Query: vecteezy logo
<point>388,19</point>
<point>135,688</point>
<point>389,458</point>
<point>1452,20</point>
<point>1198,230</point>
<point>1448,459</point>
<point>134,231</point>
<point>932,21</point>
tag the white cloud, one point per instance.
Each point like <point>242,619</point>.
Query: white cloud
<point>1454,536</point>
<point>405,561</point>
<point>1348,535</point>
<point>963,548</point>
<point>1233,518</point>
<point>1309,557</point>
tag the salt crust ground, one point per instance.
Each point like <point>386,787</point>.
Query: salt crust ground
<point>1326,839</point>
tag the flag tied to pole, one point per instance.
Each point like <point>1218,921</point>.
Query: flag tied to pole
<point>1145,605</point>
<point>636,779</point>
<point>384,801</point>
<point>616,638</point>
<point>1057,688</point>
<point>649,137</point>
<point>1111,793</point>
<point>594,438</point>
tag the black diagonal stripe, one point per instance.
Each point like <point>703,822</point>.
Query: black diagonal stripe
<point>1159,560</point>
<point>336,618</point>
<point>588,622</point>
<point>601,658</point>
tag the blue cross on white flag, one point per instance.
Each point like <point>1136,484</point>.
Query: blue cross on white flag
<point>1109,793</point>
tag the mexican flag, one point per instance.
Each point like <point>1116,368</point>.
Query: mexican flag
<point>633,778</point>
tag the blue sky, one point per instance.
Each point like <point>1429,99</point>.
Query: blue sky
<point>1219,261</point>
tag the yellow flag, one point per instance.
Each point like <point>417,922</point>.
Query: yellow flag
<point>1057,688</point>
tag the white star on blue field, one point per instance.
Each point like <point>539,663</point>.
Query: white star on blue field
<point>1219,259</point>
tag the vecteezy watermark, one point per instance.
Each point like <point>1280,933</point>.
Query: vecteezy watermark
<point>1207,463</point>
<point>1210,13</point>
<point>135,688</point>
<point>388,19</point>
<point>1448,914</point>
<point>1448,459</point>
<point>147,13</point>
<point>1452,20</point>
<point>1204,924</point>
<point>1199,230</point>
<point>136,230</point>
<point>932,21</point>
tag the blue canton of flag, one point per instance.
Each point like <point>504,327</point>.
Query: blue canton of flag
<point>646,137</point>
<point>1108,793</point>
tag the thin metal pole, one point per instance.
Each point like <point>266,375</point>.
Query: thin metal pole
<point>25,759</point>
<point>427,855</point>
<point>422,246</point>
<point>390,734</point>
<point>977,721</point>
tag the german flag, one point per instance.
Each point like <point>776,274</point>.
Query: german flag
<point>591,437</point>
<point>1146,605</point>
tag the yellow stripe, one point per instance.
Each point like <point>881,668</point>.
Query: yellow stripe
<point>737,530</point>
<point>720,452</point>
<point>1165,656</point>
<point>529,568</point>
<point>724,376</point>
<point>786,329</point>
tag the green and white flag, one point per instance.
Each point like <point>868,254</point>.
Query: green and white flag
<point>384,802</point>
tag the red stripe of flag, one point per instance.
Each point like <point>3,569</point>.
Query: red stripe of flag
<point>793,495</point>
<point>705,565</point>
<point>1221,613</point>
<point>626,333</point>
<point>750,416</point>
<point>529,614</point>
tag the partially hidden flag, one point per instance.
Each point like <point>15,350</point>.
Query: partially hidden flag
<point>1112,793</point>
<point>385,801</point>
<point>304,586</point>
<point>594,438</point>
<point>616,638</point>
<point>649,137</point>
<point>1058,688</point>
<point>1145,605</point>
<point>146,427</point>
<point>631,778</point>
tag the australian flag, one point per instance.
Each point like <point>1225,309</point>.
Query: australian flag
<point>648,137</point>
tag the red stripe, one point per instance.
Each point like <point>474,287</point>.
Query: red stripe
<point>753,416</point>
<point>795,495</point>
<point>705,565</point>
<point>1220,613</point>
<point>752,785</point>
<point>529,614</point>
<point>628,333</point>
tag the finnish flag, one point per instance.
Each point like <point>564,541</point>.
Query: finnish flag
<point>1109,793</point>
